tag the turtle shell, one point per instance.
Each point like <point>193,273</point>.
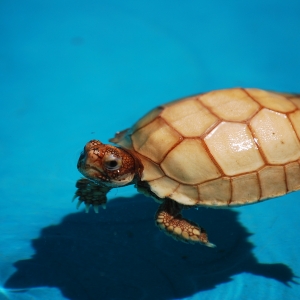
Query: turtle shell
<point>225,147</point>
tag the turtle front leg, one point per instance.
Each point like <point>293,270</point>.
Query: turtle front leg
<point>169,219</point>
<point>91,194</point>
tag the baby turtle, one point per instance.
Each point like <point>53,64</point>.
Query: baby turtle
<point>218,149</point>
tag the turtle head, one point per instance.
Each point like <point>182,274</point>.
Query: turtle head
<point>107,165</point>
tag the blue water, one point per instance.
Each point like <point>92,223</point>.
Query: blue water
<point>71,71</point>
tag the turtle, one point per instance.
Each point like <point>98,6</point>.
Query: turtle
<point>219,149</point>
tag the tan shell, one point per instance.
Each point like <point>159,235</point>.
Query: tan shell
<point>226,147</point>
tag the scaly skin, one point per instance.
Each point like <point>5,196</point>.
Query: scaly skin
<point>169,219</point>
<point>91,194</point>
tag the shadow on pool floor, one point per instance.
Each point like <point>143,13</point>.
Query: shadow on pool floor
<point>120,254</point>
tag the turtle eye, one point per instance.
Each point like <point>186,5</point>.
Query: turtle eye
<point>112,162</point>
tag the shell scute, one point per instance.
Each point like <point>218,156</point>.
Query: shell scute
<point>233,147</point>
<point>189,117</point>
<point>193,164</point>
<point>230,105</point>
<point>148,118</point>
<point>186,194</point>
<point>274,101</point>
<point>122,138</point>
<point>245,189</point>
<point>164,186</point>
<point>276,137</point>
<point>216,192</point>
<point>292,172</point>
<point>151,140</point>
<point>295,100</point>
<point>151,170</point>
<point>295,120</point>
<point>272,181</point>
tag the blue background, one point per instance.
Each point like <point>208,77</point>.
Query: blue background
<point>71,71</point>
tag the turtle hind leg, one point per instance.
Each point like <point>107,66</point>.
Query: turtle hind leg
<point>169,219</point>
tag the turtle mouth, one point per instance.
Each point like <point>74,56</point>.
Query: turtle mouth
<point>91,172</point>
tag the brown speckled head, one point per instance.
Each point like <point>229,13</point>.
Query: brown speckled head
<point>107,165</point>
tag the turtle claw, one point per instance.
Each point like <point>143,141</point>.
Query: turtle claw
<point>87,208</point>
<point>91,194</point>
<point>78,204</point>
<point>96,208</point>
<point>211,245</point>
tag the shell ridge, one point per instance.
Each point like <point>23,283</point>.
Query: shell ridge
<point>285,178</point>
<point>202,136</point>
<point>292,124</point>
<point>207,107</point>
<point>170,195</point>
<point>259,185</point>
<point>212,158</point>
<point>161,108</point>
<point>170,125</point>
<point>261,106</point>
<point>171,148</point>
<point>231,191</point>
<point>277,105</point>
<point>256,141</point>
